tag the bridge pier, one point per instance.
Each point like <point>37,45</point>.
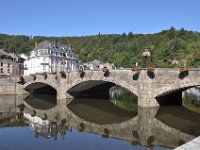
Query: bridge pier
<point>20,90</point>
<point>68,96</point>
<point>63,97</point>
<point>145,118</point>
<point>61,94</point>
<point>147,102</point>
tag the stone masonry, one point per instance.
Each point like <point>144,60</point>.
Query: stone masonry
<point>146,87</point>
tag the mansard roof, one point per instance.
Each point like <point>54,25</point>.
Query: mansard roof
<point>42,45</point>
<point>51,45</point>
<point>2,52</point>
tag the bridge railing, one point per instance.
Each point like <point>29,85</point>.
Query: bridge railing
<point>191,69</point>
<point>120,69</point>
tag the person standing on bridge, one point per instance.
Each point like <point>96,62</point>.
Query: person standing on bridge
<point>185,64</point>
<point>136,64</point>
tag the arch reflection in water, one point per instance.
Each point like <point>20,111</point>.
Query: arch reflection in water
<point>180,118</point>
<point>64,119</point>
<point>100,111</point>
<point>150,128</point>
<point>41,101</point>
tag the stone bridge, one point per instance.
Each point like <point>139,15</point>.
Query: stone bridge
<point>148,87</point>
<point>144,129</point>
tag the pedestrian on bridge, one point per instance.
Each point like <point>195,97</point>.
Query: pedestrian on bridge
<point>185,64</point>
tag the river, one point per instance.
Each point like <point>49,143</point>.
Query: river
<point>37,122</point>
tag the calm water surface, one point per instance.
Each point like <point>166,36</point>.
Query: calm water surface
<point>87,124</point>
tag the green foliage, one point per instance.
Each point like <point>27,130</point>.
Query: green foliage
<point>191,103</point>
<point>122,49</point>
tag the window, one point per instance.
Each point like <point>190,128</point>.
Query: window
<point>1,64</point>
<point>56,61</point>
<point>1,70</point>
<point>8,64</point>
<point>57,68</point>
<point>44,59</point>
<point>8,70</point>
<point>44,67</point>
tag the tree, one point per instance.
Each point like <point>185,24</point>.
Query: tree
<point>172,33</point>
<point>124,35</point>
<point>176,45</point>
<point>121,49</point>
<point>130,35</point>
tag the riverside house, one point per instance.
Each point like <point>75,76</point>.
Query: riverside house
<point>50,57</point>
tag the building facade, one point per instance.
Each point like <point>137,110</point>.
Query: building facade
<point>97,64</point>
<point>10,64</point>
<point>50,57</point>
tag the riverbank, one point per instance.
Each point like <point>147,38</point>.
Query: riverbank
<point>193,145</point>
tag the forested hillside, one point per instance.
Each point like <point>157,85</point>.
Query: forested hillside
<point>122,50</point>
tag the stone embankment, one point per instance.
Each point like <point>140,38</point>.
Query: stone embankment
<point>192,145</point>
<point>7,85</point>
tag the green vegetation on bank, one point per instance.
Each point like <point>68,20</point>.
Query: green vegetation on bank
<point>126,100</point>
<point>191,103</point>
<point>122,49</point>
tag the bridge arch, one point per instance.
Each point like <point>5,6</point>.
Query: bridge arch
<point>174,90</point>
<point>32,85</point>
<point>96,82</point>
<point>122,78</point>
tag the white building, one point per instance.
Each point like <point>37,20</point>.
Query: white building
<point>50,57</point>
<point>97,64</point>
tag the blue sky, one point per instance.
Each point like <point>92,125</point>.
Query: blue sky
<point>89,17</point>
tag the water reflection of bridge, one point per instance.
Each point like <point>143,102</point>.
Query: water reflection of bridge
<point>144,129</point>
<point>7,109</point>
<point>149,127</point>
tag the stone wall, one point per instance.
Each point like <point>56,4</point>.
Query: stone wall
<point>7,85</point>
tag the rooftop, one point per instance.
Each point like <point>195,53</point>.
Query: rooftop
<point>2,52</point>
<point>51,45</point>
